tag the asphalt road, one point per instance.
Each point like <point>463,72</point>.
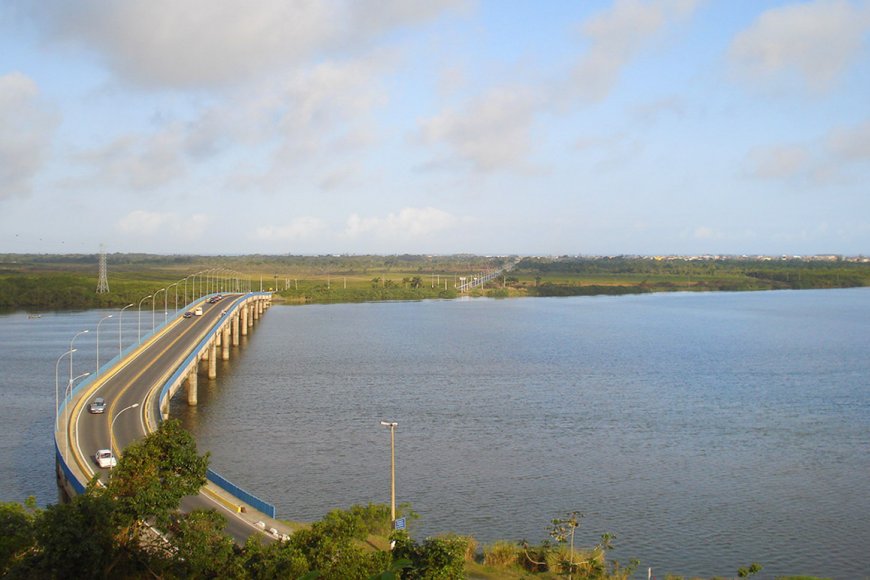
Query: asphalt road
<point>130,384</point>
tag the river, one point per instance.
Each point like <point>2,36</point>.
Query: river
<point>706,431</point>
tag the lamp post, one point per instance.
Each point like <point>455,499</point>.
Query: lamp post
<point>56,385</point>
<point>98,342</point>
<point>68,393</point>
<point>112,426</point>
<point>392,425</point>
<point>120,330</point>
<point>153,302</point>
<point>71,348</point>
<point>165,308</point>
<point>139,341</point>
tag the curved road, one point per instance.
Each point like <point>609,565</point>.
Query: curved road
<point>133,381</point>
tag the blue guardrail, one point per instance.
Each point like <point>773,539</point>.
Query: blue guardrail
<point>240,493</point>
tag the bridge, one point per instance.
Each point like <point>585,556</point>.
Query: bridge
<point>469,283</point>
<point>137,386</point>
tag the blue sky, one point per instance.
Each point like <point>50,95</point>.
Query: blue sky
<point>437,126</point>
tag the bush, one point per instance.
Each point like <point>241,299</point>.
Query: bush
<point>501,554</point>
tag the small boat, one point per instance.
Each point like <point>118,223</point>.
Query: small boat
<point>34,316</point>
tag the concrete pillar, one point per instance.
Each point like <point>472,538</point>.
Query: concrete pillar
<point>212,360</point>
<point>244,320</point>
<point>260,305</point>
<point>217,338</point>
<point>257,309</point>
<point>225,342</point>
<point>191,386</point>
<point>251,308</point>
<point>236,329</point>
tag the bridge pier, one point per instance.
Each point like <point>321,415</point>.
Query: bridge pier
<point>225,342</point>
<point>191,386</point>
<point>236,329</point>
<point>212,360</point>
<point>244,321</point>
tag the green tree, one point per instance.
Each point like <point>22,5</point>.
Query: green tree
<point>153,475</point>
<point>17,532</point>
<point>202,548</point>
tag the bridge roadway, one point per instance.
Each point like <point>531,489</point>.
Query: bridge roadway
<point>138,379</point>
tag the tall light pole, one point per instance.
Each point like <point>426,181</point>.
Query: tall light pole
<point>153,302</point>
<point>392,425</point>
<point>56,385</point>
<point>120,330</point>
<point>68,393</point>
<point>98,342</point>
<point>139,340</point>
<point>112,425</point>
<point>71,348</point>
<point>176,299</point>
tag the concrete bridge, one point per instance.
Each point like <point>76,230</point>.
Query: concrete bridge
<point>137,386</point>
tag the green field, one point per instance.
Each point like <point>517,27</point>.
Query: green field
<point>46,282</point>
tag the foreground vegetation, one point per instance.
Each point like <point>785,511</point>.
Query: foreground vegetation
<point>43,282</point>
<point>131,528</point>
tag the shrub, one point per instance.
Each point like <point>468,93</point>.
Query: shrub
<point>501,554</point>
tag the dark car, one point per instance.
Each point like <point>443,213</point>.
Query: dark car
<point>188,315</point>
<point>98,405</point>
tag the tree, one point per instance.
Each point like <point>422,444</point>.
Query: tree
<point>153,475</point>
<point>17,532</point>
<point>202,548</point>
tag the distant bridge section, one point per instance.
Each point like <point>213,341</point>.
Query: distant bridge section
<point>469,283</point>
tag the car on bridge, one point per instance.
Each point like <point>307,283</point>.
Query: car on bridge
<point>98,405</point>
<point>105,458</point>
<point>188,315</point>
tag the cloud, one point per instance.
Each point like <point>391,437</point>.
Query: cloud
<point>814,41</point>
<point>492,132</point>
<point>779,162</point>
<point>616,37</point>
<point>299,228</point>
<point>851,144</point>
<point>139,162</point>
<point>27,126</point>
<point>197,43</point>
<point>408,223</point>
<point>149,224</point>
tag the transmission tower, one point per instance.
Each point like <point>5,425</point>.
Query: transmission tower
<point>103,284</point>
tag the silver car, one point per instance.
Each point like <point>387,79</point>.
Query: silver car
<point>98,405</point>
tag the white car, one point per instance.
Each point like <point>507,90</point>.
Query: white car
<point>105,458</point>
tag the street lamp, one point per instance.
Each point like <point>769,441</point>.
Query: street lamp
<point>140,317</point>
<point>56,386</point>
<point>120,330</point>
<point>98,342</point>
<point>165,308</point>
<point>392,425</point>
<point>68,393</point>
<point>153,302</point>
<point>112,426</point>
<point>71,348</point>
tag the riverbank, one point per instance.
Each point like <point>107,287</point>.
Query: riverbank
<point>36,283</point>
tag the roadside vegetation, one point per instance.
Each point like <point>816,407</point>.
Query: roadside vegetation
<point>46,282</point>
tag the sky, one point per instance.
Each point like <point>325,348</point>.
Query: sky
<point>435,127</point>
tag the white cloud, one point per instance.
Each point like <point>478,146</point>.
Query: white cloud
<point>27,125</point>
<point>166,43</point>
<point>852,144</point>
<point>779,162</point>
<point>148,224</point>
<point>409,222</point>
<point>492,132</point>
<point>616,37</point>
<point>139,162</point>
<point>816,41</point>
<point>299,228</point>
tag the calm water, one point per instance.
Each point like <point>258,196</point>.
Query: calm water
<point>706,431</point>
